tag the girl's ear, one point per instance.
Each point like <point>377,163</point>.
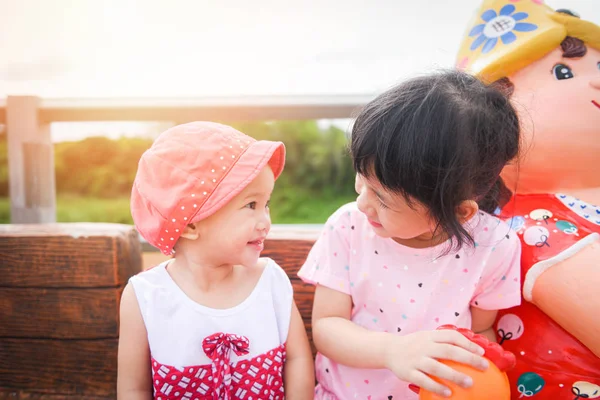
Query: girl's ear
<point>466,210</point>
<point>191,232</point>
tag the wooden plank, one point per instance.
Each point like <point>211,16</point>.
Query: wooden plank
<point>59,313</point>
<point>68,255</point>
<point>128,255</point>
<point>20,395</point>
<point>181,110</point>
<point>290,254</point>
<point>68,367</point>
<point>244,108</point>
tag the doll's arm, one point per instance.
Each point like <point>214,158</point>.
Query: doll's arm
<point>299,373</point>
<point>565,287</point>
<point>134,376</point>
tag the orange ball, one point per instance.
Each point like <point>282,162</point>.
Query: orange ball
<point>491,384</point>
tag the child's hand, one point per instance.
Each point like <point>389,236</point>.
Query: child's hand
<point>415,356</point>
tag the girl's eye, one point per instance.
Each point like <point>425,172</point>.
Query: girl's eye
<point>381,203</point>
<point>268,204</point>
<point>251,205</point>
<point>562,71</point>
<point>598,65</point>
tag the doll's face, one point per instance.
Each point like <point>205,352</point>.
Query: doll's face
<point>558,100</point>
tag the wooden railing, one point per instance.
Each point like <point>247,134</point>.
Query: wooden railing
<point>31,155</point>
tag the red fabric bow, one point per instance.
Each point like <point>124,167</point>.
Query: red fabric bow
<point>218,348</point>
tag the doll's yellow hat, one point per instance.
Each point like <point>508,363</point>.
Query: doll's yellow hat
<point>506,35</point>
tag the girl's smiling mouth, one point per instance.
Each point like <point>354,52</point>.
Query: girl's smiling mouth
<point>594,102</point>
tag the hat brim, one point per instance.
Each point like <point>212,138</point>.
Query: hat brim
<point>242,173</point>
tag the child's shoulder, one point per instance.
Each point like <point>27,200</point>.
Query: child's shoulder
<point>269,268</point>
<point>347,213</point>
<point>489,229</point>
<point>152,275</point>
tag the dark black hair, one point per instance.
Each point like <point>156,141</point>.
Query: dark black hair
<point>439,140</point>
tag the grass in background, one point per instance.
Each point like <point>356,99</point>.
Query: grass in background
<point>305,208</point>
<point>82,209</point>
<point>287,208</point>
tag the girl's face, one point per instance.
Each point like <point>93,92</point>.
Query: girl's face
<point>235,234</point>
<point>391,216</point>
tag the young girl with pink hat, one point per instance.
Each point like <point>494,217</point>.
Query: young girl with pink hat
<point>216,321</point>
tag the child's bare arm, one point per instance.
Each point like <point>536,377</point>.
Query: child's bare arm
<point>134,376</point>
<point>339,338</point>
<point>299,374</point>
<point>413,358</point>
<point>482,321</point>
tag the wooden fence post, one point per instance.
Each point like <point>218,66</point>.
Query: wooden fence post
<point>30,163</point>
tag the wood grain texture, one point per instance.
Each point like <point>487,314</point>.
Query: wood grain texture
<point>290,254</point>
<point>59,313</point>
<point>67,367</point>
<point>20,395</point>
<point>68,255</point>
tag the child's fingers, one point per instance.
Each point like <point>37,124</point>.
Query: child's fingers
<point>424,382</point>
<point>435,368</point>
<point>445,351</point>
<point>457,339</point>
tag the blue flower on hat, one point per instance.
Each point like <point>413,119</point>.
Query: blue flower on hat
<point>499,25</point>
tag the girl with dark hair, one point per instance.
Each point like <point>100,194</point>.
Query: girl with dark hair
<point>420,247</point>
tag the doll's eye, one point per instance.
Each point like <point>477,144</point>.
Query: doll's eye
<point>562,71</point>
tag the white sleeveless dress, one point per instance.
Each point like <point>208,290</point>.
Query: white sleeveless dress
<point>203,353</point>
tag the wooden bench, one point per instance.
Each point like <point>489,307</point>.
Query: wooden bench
<point>289,249</point>
<point>60,287</point>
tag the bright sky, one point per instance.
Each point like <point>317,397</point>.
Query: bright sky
<point>197,48</point>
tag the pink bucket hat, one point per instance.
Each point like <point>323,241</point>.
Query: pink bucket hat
<point>190,172</point>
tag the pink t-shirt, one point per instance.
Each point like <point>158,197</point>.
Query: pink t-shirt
<point>400,290</point>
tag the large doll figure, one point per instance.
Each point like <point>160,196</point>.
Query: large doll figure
<point>549,63</point>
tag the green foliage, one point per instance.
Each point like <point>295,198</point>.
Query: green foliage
<point>94,176</point>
